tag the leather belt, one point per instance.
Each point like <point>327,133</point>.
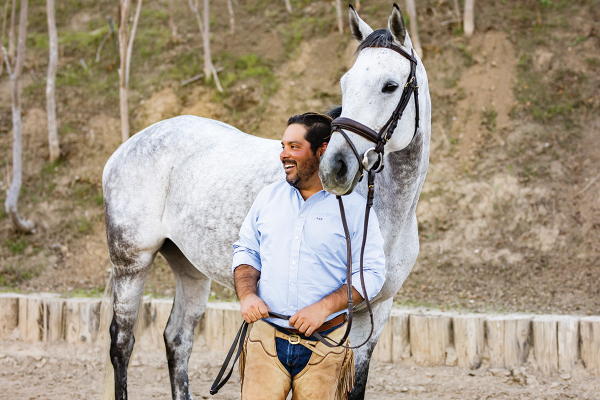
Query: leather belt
<point>326,325</point>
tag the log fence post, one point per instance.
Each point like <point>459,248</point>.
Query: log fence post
<point>589,328</point>
<point>545,343</point>
<point>469,340</point>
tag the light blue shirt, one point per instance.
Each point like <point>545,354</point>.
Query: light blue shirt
<point>300,247</point>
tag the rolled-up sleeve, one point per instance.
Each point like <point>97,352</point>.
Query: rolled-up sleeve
<point>246,250</point>
<point>374,258</point>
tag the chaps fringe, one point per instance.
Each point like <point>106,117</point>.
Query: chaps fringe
<point>242,364</point>
<point>346,382</point>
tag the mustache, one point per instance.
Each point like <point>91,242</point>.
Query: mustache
<point>289,161</point>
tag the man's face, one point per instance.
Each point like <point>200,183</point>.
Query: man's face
<point>299,162</point>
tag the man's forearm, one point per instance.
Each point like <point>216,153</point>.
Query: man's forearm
<point>246,280</point>
<point>338,300</point>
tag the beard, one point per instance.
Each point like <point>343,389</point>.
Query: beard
<point>303,173</point>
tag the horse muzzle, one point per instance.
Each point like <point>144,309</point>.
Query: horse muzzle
<point>339,172</point>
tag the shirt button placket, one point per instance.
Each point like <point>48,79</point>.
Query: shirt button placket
<point>294,261</point>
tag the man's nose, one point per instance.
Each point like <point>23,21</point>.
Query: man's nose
<point>284,154</point>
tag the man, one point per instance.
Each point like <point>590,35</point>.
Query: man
<point>292,245</point>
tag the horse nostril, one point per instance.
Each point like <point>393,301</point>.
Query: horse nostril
<point>342,170</point>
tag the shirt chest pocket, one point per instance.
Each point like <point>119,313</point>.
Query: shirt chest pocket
<point>324,234</point>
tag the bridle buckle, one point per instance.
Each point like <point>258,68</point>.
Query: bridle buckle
<point>294,339</point>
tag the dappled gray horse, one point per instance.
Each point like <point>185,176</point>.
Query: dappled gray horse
<point>183,186</point>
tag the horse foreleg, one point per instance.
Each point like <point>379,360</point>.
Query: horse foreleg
<point>191,295</point>
<point>128,288</point>
<point>362,356</point>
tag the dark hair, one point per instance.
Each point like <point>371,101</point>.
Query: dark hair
<point>318,128</point>
<point>378,38</point>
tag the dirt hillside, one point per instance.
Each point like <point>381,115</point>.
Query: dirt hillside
<point>508,216</point>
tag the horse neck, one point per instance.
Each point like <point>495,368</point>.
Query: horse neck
<point>399,185</point>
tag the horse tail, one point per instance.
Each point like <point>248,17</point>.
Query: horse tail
<point>106,314</point>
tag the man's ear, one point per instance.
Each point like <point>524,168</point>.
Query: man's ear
<point>321,149</point>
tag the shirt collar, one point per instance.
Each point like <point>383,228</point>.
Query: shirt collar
<point>323,193</point>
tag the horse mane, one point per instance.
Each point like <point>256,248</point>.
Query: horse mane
<point>378,38</point>
<point>334,111</point>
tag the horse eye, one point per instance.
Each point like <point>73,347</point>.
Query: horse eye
<point>390,87</point>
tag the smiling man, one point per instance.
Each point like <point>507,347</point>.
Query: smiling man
<point>291,259</point>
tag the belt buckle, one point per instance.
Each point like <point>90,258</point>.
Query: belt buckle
<point>294,339</point>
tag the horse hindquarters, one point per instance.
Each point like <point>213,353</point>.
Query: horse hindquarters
<point>134,238</point>
<point>191,295</point>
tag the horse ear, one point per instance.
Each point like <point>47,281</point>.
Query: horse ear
<point>396,25</point>
<point>360,29</point>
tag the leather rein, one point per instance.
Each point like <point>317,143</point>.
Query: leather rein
<point>380,139</point>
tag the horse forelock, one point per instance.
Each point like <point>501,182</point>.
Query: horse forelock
<point>379,38</point>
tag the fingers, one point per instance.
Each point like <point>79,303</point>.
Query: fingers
<point>304,327</point>
<point>309,331</point>
<point>263,309</point>
<point>254,310</point>
<point>293,320</point>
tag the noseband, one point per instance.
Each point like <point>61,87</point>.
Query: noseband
<point>380,139</point>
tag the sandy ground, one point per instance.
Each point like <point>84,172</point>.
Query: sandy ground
<point>61,371</point>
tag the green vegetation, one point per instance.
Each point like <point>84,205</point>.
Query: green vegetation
<point>11,275</point>
<point>489,118</point>
<point>16,245</point>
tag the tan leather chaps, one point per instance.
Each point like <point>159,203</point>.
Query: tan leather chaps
<point>329,374</point>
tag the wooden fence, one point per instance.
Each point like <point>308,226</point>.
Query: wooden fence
<point>556,343</point>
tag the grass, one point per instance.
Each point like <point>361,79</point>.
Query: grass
<point>17,245</point>
<point>489,118</point>
<point>11,275</point>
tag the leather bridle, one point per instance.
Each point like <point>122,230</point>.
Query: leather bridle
<point>380,139</point>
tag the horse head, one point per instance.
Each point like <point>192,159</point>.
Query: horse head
<point>371,92</point>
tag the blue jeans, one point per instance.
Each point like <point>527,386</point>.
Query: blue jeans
<point>294,357</point>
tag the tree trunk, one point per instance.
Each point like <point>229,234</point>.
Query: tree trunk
<point>457,11</point>
<point>50,83</point>
<point>205,31</point>
<point>357,5</point>
<point>231,16</point>
<point>138,11</point>
<point>414,31</point>
<point>206,40</point>
<point>12,195</point>
<point>208,65</point>
<point>288,6</point>
<point>122,71</point>
<point>469,22</point>
<point>340,21</point>
<point>4,17</point>
<point>172,25</point>
<point>11,32</point>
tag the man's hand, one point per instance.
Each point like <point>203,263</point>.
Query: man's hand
<point>253,308</point>
<point>308,319</point>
